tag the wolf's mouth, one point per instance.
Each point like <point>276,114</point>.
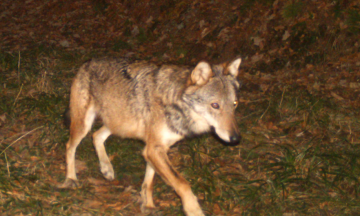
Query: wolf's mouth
<point>226,143</point>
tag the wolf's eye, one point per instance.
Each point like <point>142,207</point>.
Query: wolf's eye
<point>236,103</point>
<point>215,105</point>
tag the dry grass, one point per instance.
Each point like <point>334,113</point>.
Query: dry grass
<point>299,154</point>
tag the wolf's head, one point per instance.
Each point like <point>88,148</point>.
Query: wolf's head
<point>213,96</point>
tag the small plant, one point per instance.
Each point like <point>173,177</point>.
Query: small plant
<point>121,45</point>
<point>353,21</point>
<point>292,10</point>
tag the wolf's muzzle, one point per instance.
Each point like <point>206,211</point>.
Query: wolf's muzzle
<point>234,139</point>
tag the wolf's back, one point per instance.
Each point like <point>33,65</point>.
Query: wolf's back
<point>114,85</point>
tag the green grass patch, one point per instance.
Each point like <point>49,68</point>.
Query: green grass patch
<point>353,21</point>
<point>292,10</point>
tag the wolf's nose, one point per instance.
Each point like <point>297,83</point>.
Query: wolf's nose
<point>235,140</point>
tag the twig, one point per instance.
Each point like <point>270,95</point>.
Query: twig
<point>247,116</point>
<point>19,61</point>
<point>17,95</point>
<point>20,138</point>
<point>282,97</point>
<point>314,105</point>
<point>264,112</point>
<point>350,127</point>
<point>7,165</point>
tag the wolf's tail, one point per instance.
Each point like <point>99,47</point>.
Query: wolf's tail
<point>66,118</point>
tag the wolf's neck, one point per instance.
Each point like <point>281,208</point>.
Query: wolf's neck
<point>183,120</point>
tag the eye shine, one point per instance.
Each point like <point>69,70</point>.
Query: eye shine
<point>236,103</point>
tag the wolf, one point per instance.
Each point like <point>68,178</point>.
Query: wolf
<point>159,105</point>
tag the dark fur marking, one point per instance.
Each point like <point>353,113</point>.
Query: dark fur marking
<point>172,170</point>
<point>174,114</point>
<point>98,75</point>
<point>147,101</point>
<point>193,99</point>
<point>166,161</point>
<point>66,118</point>
<point>177,108</point>
<point>87,64</point>
<point>178,121</point>
<point>161,153</point>
<point>125,73</point>
<point>155,72</point>
<point>162,175</point>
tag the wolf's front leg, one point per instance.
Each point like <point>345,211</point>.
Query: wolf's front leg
<point>157,156</point>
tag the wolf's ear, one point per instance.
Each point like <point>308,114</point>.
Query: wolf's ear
<point>233,67</point>
<point>201,74</point>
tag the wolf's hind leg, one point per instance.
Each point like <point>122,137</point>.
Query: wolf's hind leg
<point>147,188</point>
<point>81,122</point>
<point>99,138</point>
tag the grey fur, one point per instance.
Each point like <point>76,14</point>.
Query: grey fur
<point>157,104</point>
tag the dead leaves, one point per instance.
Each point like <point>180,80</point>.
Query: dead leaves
<point>336,96</point>
<point>308,53</point>
<point>2,119</point>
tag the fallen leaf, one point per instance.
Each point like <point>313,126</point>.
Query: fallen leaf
<point>286,35</point>
<point>257,40</point>
<point>65,43</point>
<point>216,209</point>
<point>354,85</point>
<point>92,203</point>
<point>256,58</point>
<point>3,117</point>
<point>135,31</point>
<point>96,182</point>
<point>336,96</point>
<point>205,32</point>
<point>34,158</point>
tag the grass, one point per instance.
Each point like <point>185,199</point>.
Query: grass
<point>299,154</point>
<point>292,10</point>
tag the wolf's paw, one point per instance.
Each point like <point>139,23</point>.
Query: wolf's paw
<point>197,213</point>
<point>193,209</point>
<point>108,175</point>
<point>68,184</point>
<point>148,210</point>
<point>147,204</point>
<point>107,171</point>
